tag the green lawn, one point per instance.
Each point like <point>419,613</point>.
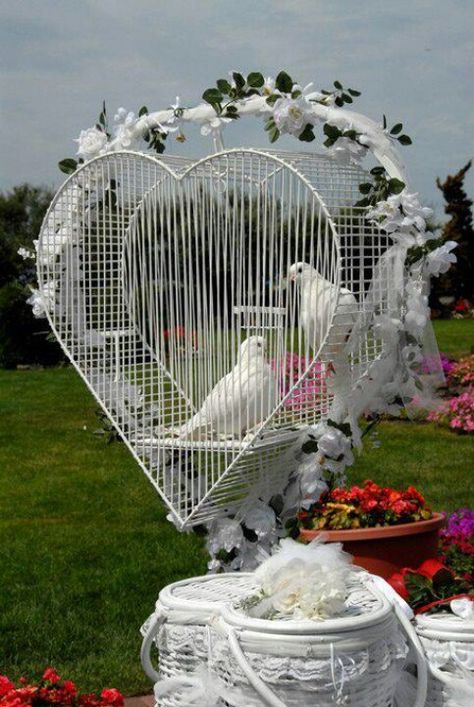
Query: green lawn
<point>85,546</point>
<point>455,336</point>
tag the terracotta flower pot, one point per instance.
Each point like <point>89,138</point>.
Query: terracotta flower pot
<point>386,550</point>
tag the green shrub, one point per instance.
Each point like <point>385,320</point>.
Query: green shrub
<point>23,339</point>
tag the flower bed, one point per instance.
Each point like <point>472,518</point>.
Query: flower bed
<point>462,372</point>
<point>384,529</point>
<point>367,507</point>
<point>456,413</point>
<point>312,390</point>
<point>53,690</point>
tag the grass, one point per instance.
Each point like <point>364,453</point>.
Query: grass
<point>455,336</point>
<point>85,544</point>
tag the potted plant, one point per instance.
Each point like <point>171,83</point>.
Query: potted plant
<point>383,528</point>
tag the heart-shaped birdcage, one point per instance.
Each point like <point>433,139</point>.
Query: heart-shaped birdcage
<point>209,307</point>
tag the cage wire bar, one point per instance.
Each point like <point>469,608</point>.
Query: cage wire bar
<point>165,278</point>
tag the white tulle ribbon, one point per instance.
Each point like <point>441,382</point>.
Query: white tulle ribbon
<point>464,608</point>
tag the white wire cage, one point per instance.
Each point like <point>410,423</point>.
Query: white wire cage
<point>180,292</point>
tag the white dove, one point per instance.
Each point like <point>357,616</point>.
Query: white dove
<point>241,399</point>
<point>318,300</point>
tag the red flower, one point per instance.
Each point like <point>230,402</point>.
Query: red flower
<point>111,696</point>
<point>50,675</point>
<point>413,493</point>
<point>5,685</point>
<point>69,687</point>
<point>89,701</point>
<point>12,701</point>
<point>397,582</point>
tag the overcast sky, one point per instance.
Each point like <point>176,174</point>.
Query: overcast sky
<point>412,59</point>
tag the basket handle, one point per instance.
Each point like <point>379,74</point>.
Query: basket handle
<point>262,689</point>
<point>147,643</point>
<point>422,670</point>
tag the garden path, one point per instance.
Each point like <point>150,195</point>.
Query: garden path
<point>144,701</point>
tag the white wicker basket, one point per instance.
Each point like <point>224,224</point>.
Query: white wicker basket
<point>355,660</point>
<point>448,641</point>
<point>179,625</point>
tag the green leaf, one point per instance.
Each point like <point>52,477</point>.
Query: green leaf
<point>310,447</point>
<point>271,100</point>
<point>239,79</point>
<point>395,186</point>
<point>331,131</point>
<point>143,111</point>
<point>284,82</point>
<point>396,129</point>
<point>274,134</point>
<point>212,95</point>
<point>296,94</point>
<point>338,85</point>
<point>269,124</point>
<point>68,165</point>
<point>224,86</point>
<point>347,98</point>
<point>365,188</point>
<point>307,135</point>
<point>339,102</point>
<point>102,119</point>
<point>404,140</point>
<point>377,170</point>
<point>384,123</point>
<point>255,79</point>
<point>353,92</point>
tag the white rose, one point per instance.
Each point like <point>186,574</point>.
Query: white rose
<point>346,151</point>
<point>260,518</point>
<point>42,300</point>
<point>333,443</point>
<point>91,143</point>
<point>440,260</point>
<point>291,115</point>
<point>25,253</point>
<point>224,534</point>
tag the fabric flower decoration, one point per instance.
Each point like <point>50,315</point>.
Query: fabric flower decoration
<point>91,143</point>
<point>42,301</point>
<point>291,115</point>
<point>214,126</point>
<point>304,581</point>
<point>224,534</point>
<point>346,151</point>
<point>261,519</point>
<point>440,260</point>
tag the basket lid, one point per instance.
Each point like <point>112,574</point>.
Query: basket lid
<point>365,608</point>
<point>204,594</point>
<point>445,624</point>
